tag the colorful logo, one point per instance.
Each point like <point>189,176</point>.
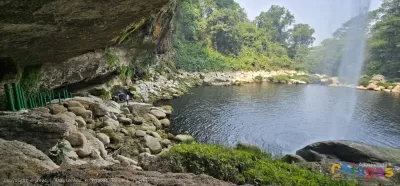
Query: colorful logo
<point>358,171</point>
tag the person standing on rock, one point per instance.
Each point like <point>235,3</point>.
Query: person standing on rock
<point>127,99</point>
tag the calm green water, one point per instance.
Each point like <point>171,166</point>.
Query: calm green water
<point>284,118</point>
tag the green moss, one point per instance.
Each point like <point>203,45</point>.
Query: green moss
<point>244,164</point>
<point>167,107</point>
<point>110,58</point>
<point>30,78</point>
<point>280,79</point>
<point>125,72</point>
<point>125,35</point>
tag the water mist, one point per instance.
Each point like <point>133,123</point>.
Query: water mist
<point>350,68</point>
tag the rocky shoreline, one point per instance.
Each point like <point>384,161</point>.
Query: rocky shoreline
<point>168,86</point>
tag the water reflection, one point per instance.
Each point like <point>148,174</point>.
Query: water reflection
<point>284,118</point>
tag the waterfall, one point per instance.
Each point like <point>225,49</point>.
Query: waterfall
<point>350,68</point>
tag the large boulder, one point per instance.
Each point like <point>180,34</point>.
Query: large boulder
<point>98,109</point>
<point>349,151</point>
<point>41,130</point>
<point>139,109</point>
<point>76,139</point>
<point>155,121</point>
<point>19,160</point>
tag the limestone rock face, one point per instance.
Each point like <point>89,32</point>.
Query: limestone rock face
<point>349,151</point>
<point>59,30</point>
<point>20,160</point>
<point>41,130</point>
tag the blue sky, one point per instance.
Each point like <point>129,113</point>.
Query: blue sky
<point>325,16</point>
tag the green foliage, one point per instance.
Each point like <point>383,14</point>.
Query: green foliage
<point>258,78</point>
<point>280,79</point>
<point>216,35</point>
<point>30,78</point>
<point>386,84</point>
<point>167,107</point>
<point>110,58</point>
<point>125,72</point>
<point>364,81</point>
<point>242,165</point>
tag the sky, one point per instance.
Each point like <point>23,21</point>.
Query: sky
<point>325,16</point>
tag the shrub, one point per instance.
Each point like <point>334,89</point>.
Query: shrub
<point>280,79</point>
<point>364,81</point>
<point>258,78</point>
<point>243,164</point>
<point>387,84</point>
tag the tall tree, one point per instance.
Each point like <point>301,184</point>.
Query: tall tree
<point>278,19</point>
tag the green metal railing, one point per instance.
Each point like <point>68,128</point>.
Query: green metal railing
<point>18,100</point>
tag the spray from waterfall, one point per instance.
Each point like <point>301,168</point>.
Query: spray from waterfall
<point>350,68</point>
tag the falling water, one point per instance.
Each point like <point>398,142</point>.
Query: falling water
<point>350,68</point>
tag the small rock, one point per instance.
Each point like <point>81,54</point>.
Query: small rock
<point>156,135</point>
<point>126,161</point>
<point>158,114</point>
<point>125,121</point>
<point>107,130</point>
<point>56,109</point>
<point>170,136</point>
<point>165,142</point>
<point>86,114</point>
<point>111,122</point>
<point>76,139</point>
<point>98,109</point>
<point>146,159</point>
<point>153,144</point>
<point>125,132</point>
<point>293,158</point>
<point>165,122</point>
<point>184,138</point>
<point>80,121</point>
<point>125,110</point>
<point>140,133</point>
<point>103,138</point>
<point>138,120</point>
<point>90,121</point>
<point>72,103</point>
<point>148,128</point>
<point>155,121</point>
<point>84,151</point>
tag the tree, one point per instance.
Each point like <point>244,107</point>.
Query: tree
<point>225,35</point>
<point>301,39</point>
<point>276,21</point>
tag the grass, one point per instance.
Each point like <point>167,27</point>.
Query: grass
<point>241,165</point>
